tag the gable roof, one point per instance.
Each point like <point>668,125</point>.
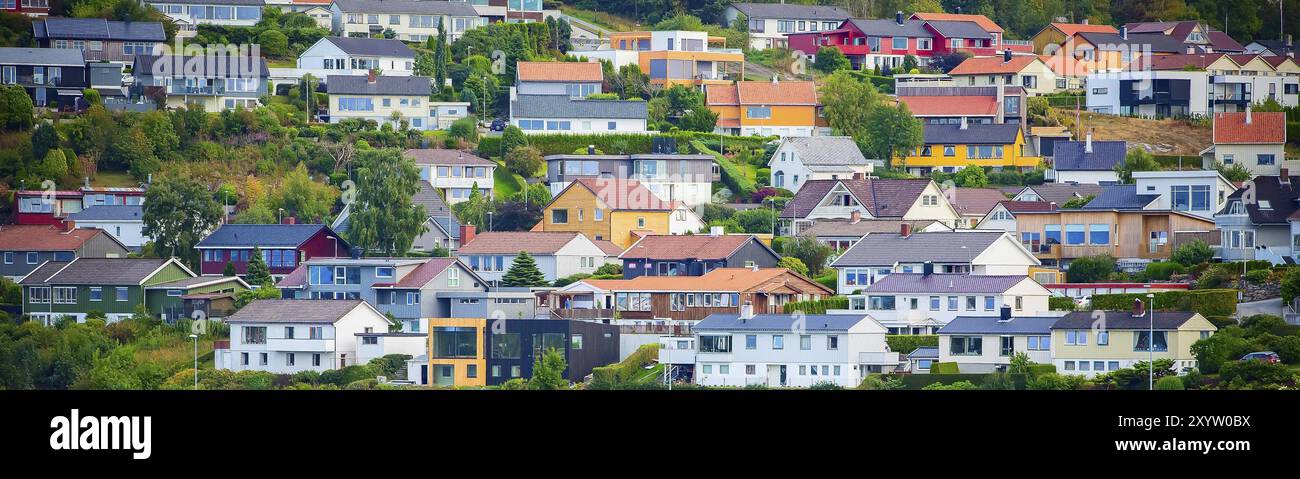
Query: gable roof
<point>880,249</point>
<point>512,242</point>
<point>883,198</point>
<point>974,133</point>
<point>426,272</point>
<point>906,283</point>
<point>994,325</point>
<point>444,156</point>
<point>110,213</point>
<point>784,10</point>
<point>889,28</point>
<point>845,227</point>
<point>382,47</point>
<point>961,105</point>
<point>993,65</point>
<point>1281,199</point>
<point>1264,128</point>
<point>560,72</point>
<point>262,235</point>
<point>1072,155</point>
<point>620,194</point>
<point>1175,62</point>
<point>1060,193</point>
<point>295,311</point>
<point>1165,320</point>
<point>429,198</point>
<point>959,29</point>
<point>1120,197</point>
<point>383,85</point>
<point>97,29</point>
<point>975,201</point>
<point>684,247</point>
<point>68,57</point>
<point>779,322</point>
<point>762,93</point>
<point>1070,29</point>
<point>107,271</point>
<point>825,150</point>
<point>1158,43</point>
<point>1222,42</point>
<point>561,106</point>
<point>981,20</point>
<point>456,9</point>
<point>1027,206</point>
<point>44,238</point>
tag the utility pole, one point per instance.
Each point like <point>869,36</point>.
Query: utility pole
<point>1151,342</point>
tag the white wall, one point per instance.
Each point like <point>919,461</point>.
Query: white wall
<point>590,125</point>
<point>767,360</point>
<point>991,348</point>
<point>1086,177</point>
<point>1162,183</point>
<point>130,233</point>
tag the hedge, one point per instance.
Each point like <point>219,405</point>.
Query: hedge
<point>735,179</point>
<point>944,368</point>
<point>618,143</point>
<point>1060,303</point>
<point>617,374</point>
<point>920,381</point>
<point>818,306</point>
<point>1038,368</point>
<point>1208,302</point>
<point>906,343</point>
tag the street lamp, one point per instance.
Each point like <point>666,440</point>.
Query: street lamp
<point>1151,342</point>
<point>489,220</point>
<point>195,337</point>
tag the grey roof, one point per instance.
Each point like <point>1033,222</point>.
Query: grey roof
<point>97,29</point>
<point>844,227</point>
<point>1120,197</point>
<point>890,28</point>
<point>210,2</point>
<point>974,133</point>
<point>826,150</point>
<point>294,311</point>
<point>778,322</point>
<point>214,66</point>
<point>383,47</point>
<point>449,223</point>
<point>1124,320</point>
<point>561,106</point>
<point>185,283</point>
<point>383,85</point>
<point>1158,43</point>
<point>906,283</point>
<point>110,213</point>
<point>959,29</point>
<point>924,352</point>
<point>457,9</point>
<point>42,56</point>
<point>881,249</point>
<point>429,198</point>
<point>1060,193</point>
<point>263,235</point>
<point>1071,155</point>
<point>994,325</point>
<point>798,12</point>
<point>110,271</point>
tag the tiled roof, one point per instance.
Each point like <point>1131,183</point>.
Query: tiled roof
<point>1158,43</point>
<point>983,21</point>
<point>1069,29</point>
<point>1028,206</point>
<point>993,65</point>
<point>1222,42</point>
<point>975,201</point>
<point>44,238</point>
<point>779,322</point>
<point>608,247</point>
<point>561,106</point>
<point>110,213</point>
<point>442,156</point>
<point>716,94</point>
<point>383,85</point>
<point>1264,128</point>
<point>1066,65</point>
<point>909,283</point>
<point>887,27</point>
<point>791,11</point>
<point>385,47</point>
<point>974,133</point>
<point>512,242</point>
<point>234,66</point>
<point>620,194</point>
<point>844,227</point>
<point>951,105</point>
<point>560,72</point>
<point>1174,62</point>
<point>879,249</point>
<point>924,352</point>
<point>1164,320</point>
<point>683,247</point>
<point>994,325</point>
<point>1277,60</point>
<point>294,311</point>
<point>884,198</point>
<point>263,235</point>
<point>295,279</point>
<point>1072,155</point>
<point>429,198</point>
<point>763,93</point>
<point>959,29</point>
<point>192,281</point>
<point>825,150</point>
<point>425,273</point>
<point>70,57</point>
<point>95,271</point>
<point>1120,197</point>
<point>1281,198</point>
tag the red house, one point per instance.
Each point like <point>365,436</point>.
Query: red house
<point>41,207</point>
<point>870,43</point>
<point>283,247</point>
<point>32,8</point>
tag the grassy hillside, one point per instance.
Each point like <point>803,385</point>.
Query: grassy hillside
<point>1165,137</point>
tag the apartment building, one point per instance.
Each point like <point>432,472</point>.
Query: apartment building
<point>408,20</point>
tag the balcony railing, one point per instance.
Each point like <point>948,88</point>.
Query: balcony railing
<point>196,90</point>
<point>591,313</point>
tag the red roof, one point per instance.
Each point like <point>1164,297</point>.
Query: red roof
<point>1069,29</point>
<point>1174,62</point>
<point>993,65</point>
<point>559,71</point>
<point>951,105</point>
<point>1264,128</point>
<point>975,201</point>
<point>681,247</point>
<point>424,273</point>
<point>512,242</point>
<point>620,194</point>
<point>983,21</point>
<point>44,238</point>
<point>762,93</point>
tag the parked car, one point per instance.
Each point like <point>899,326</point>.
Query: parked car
<point>498,125</point>
<point>1267,356</point>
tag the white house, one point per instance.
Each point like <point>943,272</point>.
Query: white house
<point>230,13</point>
<point>443,113</point>
<point>1252,139</point>
<point>380,343</point>
<point>878,255</point>
<point>1199,192</point>
<point>557,254</point>
<point>356,57</point>
<point>781,350</point>
<point>124,222</point>
<point>985,344</point>
<point>453,172</point>
<point>409,20</point>
<point>770,22</point>
<point>284,336</point>
<point>562,114</point>
<point>799,159</point>
<point>382,99</point>
<point>921,303</point>
<point>871,198</point>
<point>1088,161</point>
<point>1003,215</point>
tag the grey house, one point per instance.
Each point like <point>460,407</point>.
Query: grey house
<point>560,113</point>
<point>100,39</point>
<point>50,75</point>
<point>1261,227</point>
<point>217,82</point>
<point>695,255</point>
<point>23,248</point>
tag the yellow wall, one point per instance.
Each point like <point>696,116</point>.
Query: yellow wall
<point>461,366</point>
<point>615,226</point>
<point>1012,156</point>
<point>1122,341</point>
<point>626,221</point>
<point>1048,36</point>
<point>782,116</point>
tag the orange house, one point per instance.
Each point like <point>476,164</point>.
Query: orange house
<point>763,108</point>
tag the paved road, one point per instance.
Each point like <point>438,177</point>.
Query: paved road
<point>1268,306</point>
<point>585,29</point>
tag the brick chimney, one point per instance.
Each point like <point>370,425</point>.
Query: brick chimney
<point>467,233</point>
<point>1139,308</point>
<point>855,217</point>
<point>1284,176</point>
<point>371,77</point>
<point>69,225</point>
<point>290,220</point>
<point>905,229</point>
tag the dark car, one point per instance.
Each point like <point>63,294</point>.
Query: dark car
<point>1267,356</point>
<point>498,125</point>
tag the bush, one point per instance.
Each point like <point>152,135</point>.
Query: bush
<point>817,306</point>
<point>1060,303</point>
<point>1255,371</point>
<point>957,386</point>
<point>1208,302</point>
<point>1192,253</point>
<point>618,376</point>
<point>877,382</point>
<point>906,343</point>
<point>1162,270</point>
<point>944,368</point>
<point>1055,382</point>
<point>1090,269</point>
<point>1291,285</point>
<point>1170,383</point>
<point>793,264</point>
<point>739,184</point>
<point>1035,370</point>
<point>465,129</point>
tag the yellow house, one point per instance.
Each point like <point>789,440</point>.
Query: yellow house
<point>676,57</point>
<point>617,210</point>
<point>456,352</point>
<point>1056,34</point>
<point>764,108</point>
<point>950,148</point>
<point>1097,342</point>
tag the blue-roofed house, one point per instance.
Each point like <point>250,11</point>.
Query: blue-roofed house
<point>1088,162</point>
<point>921,359</point>
<point>922,302</point>
<point>784,350</point>
<point>124,222</point>
<point>1121,197</point>
<point>283,246</point>
<point>985,344</point>
<point>100,39</point>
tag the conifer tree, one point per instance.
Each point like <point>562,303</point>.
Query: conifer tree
<point>524,272</point>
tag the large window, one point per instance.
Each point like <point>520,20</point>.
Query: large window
<point>1099,234</point>
<point>758,112</point>
<point>544,341</point>
<point>347,275</point>
<point>505,346</point>
<point>254,334</point>
<point>1052,234</point>
<point>632,301</point>
<point>715,344</point>
<point>1074,235</point>
<point>966,346</point>
<point>1141,340</point>
<point>320,274</point>
<point>882,303</point>
<point>453,342</point>
<point>1191,197</point>
<point>356,104</point>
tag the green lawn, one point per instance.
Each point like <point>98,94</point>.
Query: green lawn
<point>506,183</point>
<point>604,20</point>
<point>286,63</point>
<point>114,178</point>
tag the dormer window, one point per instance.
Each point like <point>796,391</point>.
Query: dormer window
<point>1265,205</point>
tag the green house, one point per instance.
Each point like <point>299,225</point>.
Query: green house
<point>115,287</point>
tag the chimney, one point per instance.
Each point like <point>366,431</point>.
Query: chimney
<point>927,268</point>
<point>717,230</point>
<point>289,220</point>
<point>371,77</point>
<point>775,80</point>
<point>898,17</point>
<point>1006,55</point>
<point>1085,21</point>
<point>859,176</point>
<point>1087,142</point>
<point>591,149</point>
<point>69,225</point>
<point>1139,308</point>
<point>959,9</point>
<point>1248,114</point>
<point>1123,31</point>
<point>85,180</point>
<point>1284,176</point>
<point>1005,314</point>
<point>746,310</point>
<point>905,229</point>
<point>855,217</point>
<point>467,233</point>
<point>963,119</point>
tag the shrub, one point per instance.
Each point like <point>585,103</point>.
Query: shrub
<point>793,264</point>
<point>906,343</point>
<point>1192,253</point>
<point>1255,371</point>
<point>1060,303</point>
<point>1170,383</point>
<point>817,306</point>
<point>826,385</point>
<point>516,384</point>
<point>1055,382</point>
<point>1162,270</point>
<point>1035,370</point>
<point>1208,302</point>
<point>877,382</point>
<point>464,129</point>
<point>957,386</point>
<point>739,184</point>
<point>1291,285</point>
<point>1090,269</point>
<point>944,368</point>
<point>617,376</point>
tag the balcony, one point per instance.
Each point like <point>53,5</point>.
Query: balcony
<point>196,90</point>
<point>582,314</point>
<point>300,345</point>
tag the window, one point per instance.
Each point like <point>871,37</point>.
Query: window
<point>1103,338</point>
<point>1141,340</point>
<point>715,344</point>
<point>575,342</point>
<point>778,341</point>
<point>1099,234</point>
<point>751,341</point>
<point>881,303</point>
<point>453,277</point>
<point>970,303</point>
<point>1265,159</point>
<point>900,43</point>
<point>384,272</point>
<point>65,295</point>
<point>505,346</point>
<point>805,342</point>
<point>559,216</point>
<point>952,303</point>
<point>1008,346</point>
<point>1039,343</point>
<point>1074,235</point>
<point>966,346</point>
<point>453,342</point>
<point>254,334</point>
<point>988,303</point>
<point>33,258</point>
<point>1076,337</point>
<point>758,112</point>
<point>750,370</point>
<point>96,293</point>
<point>923,43</point>
<point>315,359</point>
<point>122,294</point>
